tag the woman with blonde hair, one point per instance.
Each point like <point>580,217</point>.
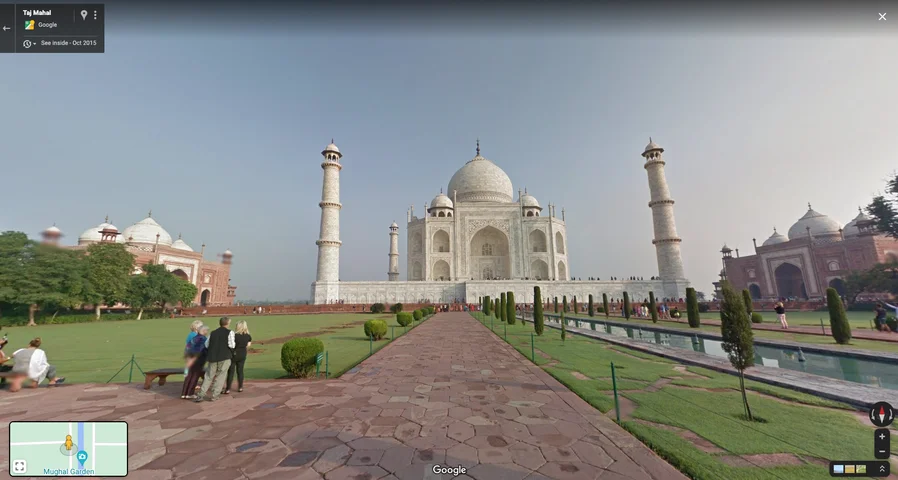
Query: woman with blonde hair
<point>242,340</point>
<point>188,357</point>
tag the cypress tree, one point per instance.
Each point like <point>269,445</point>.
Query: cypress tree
<point>605,303</point>
<point>501,310</point>
<point>538,320</point>
<point>626,305</point>
<point>563,326</point>
<point>692,308</point>
<point>576,307</point>
<point>564,306</point>
<point>838,321</point>
<point>509,308</point>
<point>746,299</point>
<point>487,304</point>
<point>592,311</point>
<point>556,304</point>
<point>735,327</point>
<point>653,307</point>
<point>496,308</point>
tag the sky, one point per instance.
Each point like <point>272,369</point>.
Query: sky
<point>218,130</point>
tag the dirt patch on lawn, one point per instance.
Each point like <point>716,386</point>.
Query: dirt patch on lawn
<point>320,331</point>
<point>691,437</point>
<point>761,460</point>
<point>252,351</point>
<point>579,376</point>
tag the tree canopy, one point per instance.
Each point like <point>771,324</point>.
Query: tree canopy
<point>884,209</point>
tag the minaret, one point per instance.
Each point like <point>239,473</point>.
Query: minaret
<point>667,243</point>
<point>393,273</point>
<point>326,287</point>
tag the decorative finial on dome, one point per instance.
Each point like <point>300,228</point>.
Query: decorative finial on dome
<point>650,139</point>
<point>525,190</point>
<point>809,206</point>
<point>774,229</point>
<point>107,219</point>
<point>859,210</point>
<point>441,190</point>
<point>478,146</point>
<point>179,235</point>
<point>332,139</point>
<point>150,214</point>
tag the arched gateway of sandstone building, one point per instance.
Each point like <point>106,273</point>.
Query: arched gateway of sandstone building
<point>478,240</point>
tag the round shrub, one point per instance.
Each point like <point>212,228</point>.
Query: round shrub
<point>404,319</point>
<point>756,318</point>
<point>418,314</point>
<point>378,308</point>
<point>376,329</point>
<point>703,308</point>
<point>396,308</point>
<point>600,309</point>
<point>298,356</point>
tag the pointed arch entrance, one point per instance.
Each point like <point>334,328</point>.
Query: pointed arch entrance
<point>790,281</point>
<point>205,297</point>
<point>489,254</point>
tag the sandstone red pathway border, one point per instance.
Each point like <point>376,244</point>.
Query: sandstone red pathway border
<point>448,393</point>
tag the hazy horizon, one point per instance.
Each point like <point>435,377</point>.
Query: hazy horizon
<point>220,136</point>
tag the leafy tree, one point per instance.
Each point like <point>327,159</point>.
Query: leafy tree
<point>627,305</point>
<point>735,328</point>
<point>591,309</point>
<point>109,267</point>
<point>556,304</point>
<point>564,304</point>
<point>881,278</point>
<point>15,252</point>
<point>605,303</point>
<point>396,308</point>
<point>538,319</point>
<point>838,321</point>
<point>501,311</point>
<point>746,299</point>
<point>509,308</point>
<point>653,307</point>
<point>700,296</point>
<point>563,326</point>
<point>883,209</point>
<point>692,308</point>
<point>186,292</point>
<point>156,287</point>
<point>487,304</point>
<point>576,307</point>
<point>52,276</point>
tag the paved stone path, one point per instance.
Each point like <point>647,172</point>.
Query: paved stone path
<point>448,393</point>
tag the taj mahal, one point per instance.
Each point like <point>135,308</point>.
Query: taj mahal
<point>477,240</point>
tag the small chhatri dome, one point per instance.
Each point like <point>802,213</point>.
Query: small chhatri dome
<point>227,253</point>
<point>394,225</point>
<point>53,230</point>
<point>481,180</point>
<point>820,225</point>
<point>726,249</point>
<point>775,239</point>
<point>851,229</point>
<point>93,234</point>
<point>441,201</point>
<point>181,245</point>
<point>652,146</point>
<point>146,231</point>
<point>528,200</point>
<point>331,148</point>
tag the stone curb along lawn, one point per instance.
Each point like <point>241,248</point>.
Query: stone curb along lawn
<point>860,354</point>
<point>855,394</point>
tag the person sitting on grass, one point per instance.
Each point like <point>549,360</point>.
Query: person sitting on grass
<point>196,351</point>
<point>31,362</point>
<point>194,331</point>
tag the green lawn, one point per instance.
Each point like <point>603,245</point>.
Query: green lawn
<point>859,320</point>
<point>93,352</point>
<point>875,345</point>
<point>703,402</point>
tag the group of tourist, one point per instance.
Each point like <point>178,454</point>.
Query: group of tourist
<point>27,363</point>
<point>216,356</point>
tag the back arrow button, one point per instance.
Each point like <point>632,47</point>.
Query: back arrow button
<point>5,28</point>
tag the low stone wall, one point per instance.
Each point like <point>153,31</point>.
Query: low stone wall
<point>235,310</point>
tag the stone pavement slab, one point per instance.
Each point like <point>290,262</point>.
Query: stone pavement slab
<point>449,393</point>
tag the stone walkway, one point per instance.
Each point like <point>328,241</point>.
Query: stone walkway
<point>449,393</point>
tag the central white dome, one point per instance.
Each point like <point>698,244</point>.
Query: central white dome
<point>820,225</point>
<point>145,231</point>
<point>481,180</point>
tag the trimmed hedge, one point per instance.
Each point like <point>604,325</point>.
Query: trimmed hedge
<point>538,319</point>
<point>693,308</point>
<point>378,308</point>
<point>627,305</point>
<point>591,308</point>
<point>756,317</point>
<point>298,356</point>
<point>418,315</point>
<point>376,328</point>
<point>86,317</point>
<point>396,308</point>
<point>404,319</point>
<point>653,307</point>
<point>838,321</point>
<point>605,304</point>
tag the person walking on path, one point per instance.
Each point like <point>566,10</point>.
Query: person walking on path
<point>242,341</point>
<point>781,314</point>
<point>196,351</point>
<point>220,346</point>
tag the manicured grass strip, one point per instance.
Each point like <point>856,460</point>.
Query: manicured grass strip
<point>700,465</point>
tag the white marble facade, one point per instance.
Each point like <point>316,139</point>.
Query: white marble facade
<point>478,240</point>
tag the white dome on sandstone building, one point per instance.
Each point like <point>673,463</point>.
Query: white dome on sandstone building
<point>820,225</point>
<point>775,239</point>
<point>145,231</point>
<point>481,180</point>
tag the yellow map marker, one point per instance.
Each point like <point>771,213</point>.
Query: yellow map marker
<point>68,442</point>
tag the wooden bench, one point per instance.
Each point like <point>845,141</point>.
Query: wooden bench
<point>162,374</point>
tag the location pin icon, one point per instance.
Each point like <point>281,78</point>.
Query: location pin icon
<point>83,14</point>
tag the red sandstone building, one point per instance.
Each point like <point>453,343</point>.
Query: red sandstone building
<point>817,254</point>
<point>150,243</point>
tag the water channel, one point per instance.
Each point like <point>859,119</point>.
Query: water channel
<point>869,372</point>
